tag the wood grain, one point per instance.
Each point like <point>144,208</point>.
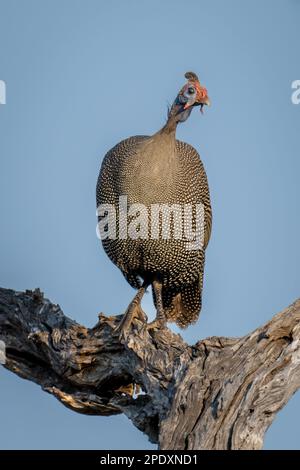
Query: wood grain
<point>221,393</point>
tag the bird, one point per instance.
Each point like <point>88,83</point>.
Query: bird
<point>157,170</point>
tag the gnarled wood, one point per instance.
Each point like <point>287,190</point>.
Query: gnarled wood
<point>222,393</point>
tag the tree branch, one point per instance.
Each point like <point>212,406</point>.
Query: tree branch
<point>222,393</point>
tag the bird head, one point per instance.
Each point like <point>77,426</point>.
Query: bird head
<point>191,94</point>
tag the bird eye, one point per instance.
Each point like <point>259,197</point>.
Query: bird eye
<point>191,90</point>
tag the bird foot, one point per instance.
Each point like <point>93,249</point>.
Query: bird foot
<point>124,327</point>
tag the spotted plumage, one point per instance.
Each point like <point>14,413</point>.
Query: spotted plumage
<point>153,170</point>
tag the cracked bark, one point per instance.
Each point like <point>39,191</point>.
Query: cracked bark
<point>221,393</point>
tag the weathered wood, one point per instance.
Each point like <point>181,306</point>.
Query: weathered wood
<point>222,393</point>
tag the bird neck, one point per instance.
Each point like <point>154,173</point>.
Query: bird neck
<point>173,119</point>
<point>171,125</point>
<point>176,114</point>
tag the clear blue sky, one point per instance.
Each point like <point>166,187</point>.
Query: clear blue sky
<point>82,75</point>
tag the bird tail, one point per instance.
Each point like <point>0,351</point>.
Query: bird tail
<point>182,304</point>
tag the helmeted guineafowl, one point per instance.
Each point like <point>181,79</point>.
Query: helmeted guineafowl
<point>150,174</point>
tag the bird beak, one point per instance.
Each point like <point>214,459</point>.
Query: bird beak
<point>188,105</point>
<point>201,100</point>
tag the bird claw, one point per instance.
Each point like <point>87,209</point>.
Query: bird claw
<point>123,328</point>
<point>121,331</point>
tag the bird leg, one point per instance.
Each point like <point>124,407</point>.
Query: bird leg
<point>133,311</point>
<point>160,320</point>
